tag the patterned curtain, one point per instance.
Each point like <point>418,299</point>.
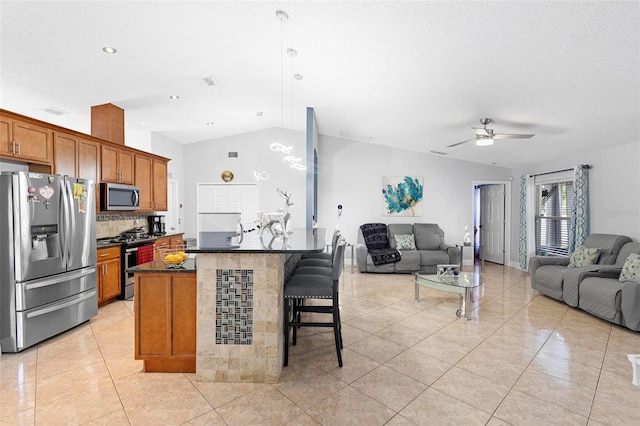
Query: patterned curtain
<point>580,213</point>
<point>523,222</point>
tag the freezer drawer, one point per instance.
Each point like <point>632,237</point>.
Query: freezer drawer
<point>31,294</point>
<point>38,324</point>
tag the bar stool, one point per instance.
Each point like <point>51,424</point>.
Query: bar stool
<point>301,287</point>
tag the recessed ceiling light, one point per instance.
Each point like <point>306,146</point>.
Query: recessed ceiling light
<point>109,50</point>
<point>259,113</point>
<point>297,76</point>
<point>174,97</point>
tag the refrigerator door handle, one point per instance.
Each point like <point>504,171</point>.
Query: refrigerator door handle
<point>71,218</point>
<point>64,228</point>
<point>63,278</point>
<point>61,306</point>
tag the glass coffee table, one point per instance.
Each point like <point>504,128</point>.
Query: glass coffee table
<point>462,284</point>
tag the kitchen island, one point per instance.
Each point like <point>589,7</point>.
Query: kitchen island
<point>236,303</point>
<point>240,305</point>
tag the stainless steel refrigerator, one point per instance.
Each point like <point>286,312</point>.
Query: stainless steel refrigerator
<point>47,256</point>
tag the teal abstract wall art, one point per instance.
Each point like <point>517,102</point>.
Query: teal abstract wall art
<point>402,195</point>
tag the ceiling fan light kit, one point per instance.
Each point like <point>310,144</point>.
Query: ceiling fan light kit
<point>484,141</point>
<point>485,137</point>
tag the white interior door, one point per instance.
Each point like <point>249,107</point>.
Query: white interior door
<point>492,222</point>
<point>172,216</point>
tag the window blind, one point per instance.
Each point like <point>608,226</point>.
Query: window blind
<point>553,217</point>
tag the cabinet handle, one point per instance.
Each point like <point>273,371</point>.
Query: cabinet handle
<point>104,254</point>
<point>19,152</point>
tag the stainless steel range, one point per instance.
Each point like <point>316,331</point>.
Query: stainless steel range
<point>137,247</point>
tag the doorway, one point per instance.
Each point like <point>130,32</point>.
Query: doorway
<point>172,219</point>
<point>492,221</point>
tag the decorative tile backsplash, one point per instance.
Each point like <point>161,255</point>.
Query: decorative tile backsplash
<point>111,225</point>
<point>234,306</point>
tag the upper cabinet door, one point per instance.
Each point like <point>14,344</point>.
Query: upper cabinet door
<point>143,181</point>
<point>25,141</point>
<point>6,141</point>
<point>32,142</point>
<point>125,165</point>
<point>109,164</point>
<point>160,185</point>
<point>65,154</point>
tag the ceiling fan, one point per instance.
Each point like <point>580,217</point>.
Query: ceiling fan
<point>486,136</point>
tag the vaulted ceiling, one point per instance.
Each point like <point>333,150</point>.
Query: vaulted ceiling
<point>415,75</point>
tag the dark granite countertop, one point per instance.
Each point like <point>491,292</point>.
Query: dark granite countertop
<point>301,240</point>
<point>159,266</point>
<point>103,242</point>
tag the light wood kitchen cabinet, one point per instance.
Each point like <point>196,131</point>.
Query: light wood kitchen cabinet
<point>165,321</point>
<point>108,271</point>
<point>65,154</point>
<point>29,142</point>
<point>151,178</point>
<point>159,184</point>
<point>117,164</point>
<point>143,181</point>
<point>107,122</point>
<point>74,156</point>
<point>172,240</point>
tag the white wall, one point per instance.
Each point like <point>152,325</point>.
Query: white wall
<point>614,191</point>
<point>350,173</point>
<point>173,150</point>
<point>205,161</point>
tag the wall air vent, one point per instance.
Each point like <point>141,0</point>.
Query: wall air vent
<point>55,111</point>
<point>209,81</point>
<point>233,154</point>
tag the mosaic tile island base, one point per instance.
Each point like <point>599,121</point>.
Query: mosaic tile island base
<point>240,311</point>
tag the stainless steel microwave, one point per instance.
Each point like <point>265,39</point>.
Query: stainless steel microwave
<point>115,196</point>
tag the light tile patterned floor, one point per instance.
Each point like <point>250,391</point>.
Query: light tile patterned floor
<point>524,359</point>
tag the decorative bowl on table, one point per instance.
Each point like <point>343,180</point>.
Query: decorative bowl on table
<point>172,255</point>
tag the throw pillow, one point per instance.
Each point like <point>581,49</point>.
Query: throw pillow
<point>631,269</point>
<point>405,242</point>
<point>583,256</point>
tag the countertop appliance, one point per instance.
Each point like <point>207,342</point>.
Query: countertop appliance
<point>116,196</point>
<point>47,256</point>
<point>156,225</point>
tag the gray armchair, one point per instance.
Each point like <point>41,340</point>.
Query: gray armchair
<point>603,294</point>
<point>553,277</point>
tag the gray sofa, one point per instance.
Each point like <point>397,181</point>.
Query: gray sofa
<point>551,275</point>
<point>431,250</point>
<point>603,294</point>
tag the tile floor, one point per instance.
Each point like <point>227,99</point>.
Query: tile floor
<point>524,359</point>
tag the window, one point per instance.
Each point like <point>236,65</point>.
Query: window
<point>553,218</point>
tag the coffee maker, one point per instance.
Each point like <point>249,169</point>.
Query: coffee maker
<point>156,224</point>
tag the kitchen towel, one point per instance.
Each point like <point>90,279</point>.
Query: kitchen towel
<point>145,254</point>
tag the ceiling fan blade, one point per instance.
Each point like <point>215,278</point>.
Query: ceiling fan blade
<point>460,143</point>
<point>512,136</point>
